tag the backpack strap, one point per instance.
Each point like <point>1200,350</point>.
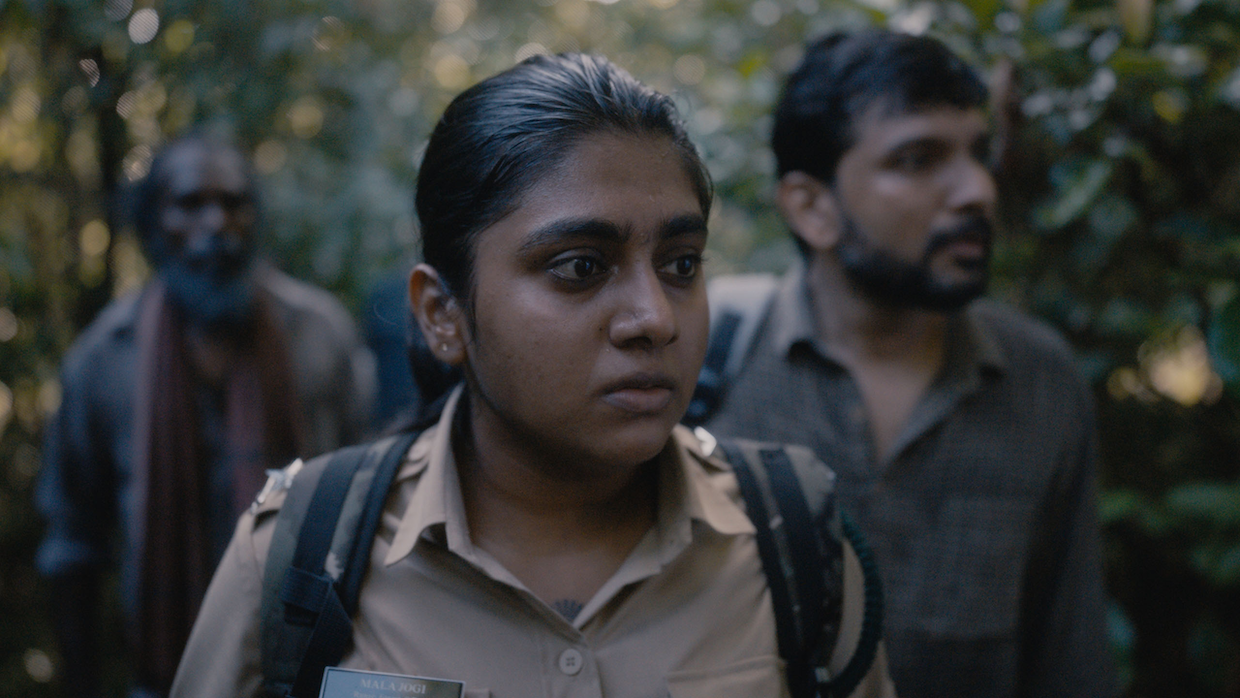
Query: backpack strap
<point>318,559</point>
<point>737,305</point>
<point>790,498</point>
<point>773,548</point>
<point>711,382</point>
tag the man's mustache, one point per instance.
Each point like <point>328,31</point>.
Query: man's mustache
<point>975,228</point>
<point>220,259</point>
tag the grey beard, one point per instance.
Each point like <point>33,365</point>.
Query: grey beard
<point>208,298</point>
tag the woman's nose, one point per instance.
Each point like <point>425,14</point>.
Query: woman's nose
<point>645,315</point>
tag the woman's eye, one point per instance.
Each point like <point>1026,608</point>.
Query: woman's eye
<point>578,268</point>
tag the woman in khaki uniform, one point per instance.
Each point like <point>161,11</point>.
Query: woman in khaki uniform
<point>556,533</point>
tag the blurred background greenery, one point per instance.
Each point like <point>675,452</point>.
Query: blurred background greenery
<point>1120,182</point>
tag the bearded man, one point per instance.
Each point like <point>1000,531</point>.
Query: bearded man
<point>960,430</point>
<point>176,400</point>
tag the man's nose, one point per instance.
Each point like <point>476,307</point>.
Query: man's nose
<point>211,231</point>
<point>974,189</point>
<point>220,250</point>
<point>645,314</point>
<point>211,217</point>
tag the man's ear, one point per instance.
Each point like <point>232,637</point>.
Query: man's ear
<point>810,209</point>
<point>440,316</point>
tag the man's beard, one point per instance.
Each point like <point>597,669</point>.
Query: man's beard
<point>894,282</point>
<point>215,289</point>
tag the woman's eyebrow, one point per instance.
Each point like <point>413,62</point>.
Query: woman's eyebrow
<point>575,229</point>
<point>604,231</point>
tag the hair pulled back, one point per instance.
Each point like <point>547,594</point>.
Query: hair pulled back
<point>499,137</point>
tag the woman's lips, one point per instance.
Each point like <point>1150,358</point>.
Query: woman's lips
<point>640,400</point>
<point>641,394</point>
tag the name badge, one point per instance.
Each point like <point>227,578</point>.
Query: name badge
<point>350,683</point>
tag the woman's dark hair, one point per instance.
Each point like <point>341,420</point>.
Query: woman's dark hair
<point>496,139</point>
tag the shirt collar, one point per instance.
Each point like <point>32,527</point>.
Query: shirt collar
<point>971,341</point>
<point>984,347</point>
<point>707,489</point>
<point>693,500</point>
<point>692,488</point>
<point>436,499</point>
<point>792,314</point>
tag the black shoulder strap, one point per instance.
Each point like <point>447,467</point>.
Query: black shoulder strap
<point>769,531</point>
<point>738,304</point>
<point>797,552</point>
<point>309,595</point>
<point>711,382</point>
<point>308,625</point>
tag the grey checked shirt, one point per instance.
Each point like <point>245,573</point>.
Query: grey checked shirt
<point>982,519</point>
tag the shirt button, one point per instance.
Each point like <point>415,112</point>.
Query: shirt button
<point>570,662</point>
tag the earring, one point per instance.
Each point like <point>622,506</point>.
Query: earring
<point>444,347</point>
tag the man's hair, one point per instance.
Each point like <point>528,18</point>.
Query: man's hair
<point>843,75</point>
<point>146,199</point>
<point>497,139</point>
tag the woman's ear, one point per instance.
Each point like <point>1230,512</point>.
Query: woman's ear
<point>440,316</point>
<point>810,209</point>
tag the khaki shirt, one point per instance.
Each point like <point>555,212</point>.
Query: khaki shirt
<point>687,614</point>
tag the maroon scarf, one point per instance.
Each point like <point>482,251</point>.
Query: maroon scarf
<point>262,429</point>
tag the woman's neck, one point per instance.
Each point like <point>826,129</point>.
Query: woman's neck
<point>559,525</point>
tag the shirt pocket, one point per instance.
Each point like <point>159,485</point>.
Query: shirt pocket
<point>976,568</point>
<point>758,677</point>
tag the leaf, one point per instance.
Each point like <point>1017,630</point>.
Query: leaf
<point>1131,63</point>
<point>1049,16</point>
<point>1223,339</point>
<point>984,10</point>
<point>1184,226</point>
<point>1081,186</point>
<point>1112,216</point>
<point>1136,16</point>
<point>1119,505</point>
<point>1213,503</point>
<point>1226,570</point>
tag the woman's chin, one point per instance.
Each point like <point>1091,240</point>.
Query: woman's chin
<point>639,442</point>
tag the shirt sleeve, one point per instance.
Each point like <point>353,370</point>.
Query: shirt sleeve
<point>1067,650</point>
<point>222,658</point>
<point>74,494</point>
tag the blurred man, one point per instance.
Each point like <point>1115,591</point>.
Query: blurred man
<point>176,399</point>
<point>960,430</point>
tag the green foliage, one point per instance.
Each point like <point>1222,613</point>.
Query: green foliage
<point>1120,189</point>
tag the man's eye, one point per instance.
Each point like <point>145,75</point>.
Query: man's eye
<point>235,202</point>
<point>190,202</point>
<point>912,161</point>
<point>578,268</point>
<point>983,152</point>
<point>684,267</point>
